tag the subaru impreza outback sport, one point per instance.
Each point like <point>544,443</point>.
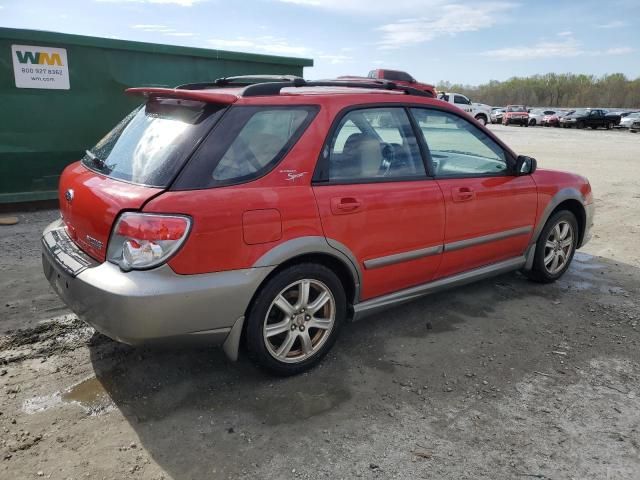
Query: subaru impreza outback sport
<point>268,212</point>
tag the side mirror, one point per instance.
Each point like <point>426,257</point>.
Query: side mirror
<point>525,165</point>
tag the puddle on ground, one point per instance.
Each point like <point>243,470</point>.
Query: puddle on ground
<point>583,261</point>
<point>41,403</point>
<point>585,274</point>
<point>89,394</point>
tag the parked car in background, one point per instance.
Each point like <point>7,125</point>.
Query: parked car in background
<point>516,115</point>
<point>622,113</point>
<point>402,78</point>
<point>479,111</point>
<point>590,118</point>
<point>554,119</point>
<point>628,119</point>
<point>536,115</point>
<point>497,114</point>
<point>207,214</point>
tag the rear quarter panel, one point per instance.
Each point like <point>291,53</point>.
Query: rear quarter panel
<point>217,240</point>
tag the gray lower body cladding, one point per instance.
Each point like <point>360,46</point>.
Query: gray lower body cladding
<point>154,305</point>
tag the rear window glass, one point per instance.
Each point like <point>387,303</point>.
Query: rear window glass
<point>247,143</point>
<point>150,145</point>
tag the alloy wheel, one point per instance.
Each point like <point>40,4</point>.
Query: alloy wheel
<point>299,321</point>
<point>558,247</point>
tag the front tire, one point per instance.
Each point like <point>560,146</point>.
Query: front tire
<point>482,119</point>
<point>295,319</point>
<point>555,248</point>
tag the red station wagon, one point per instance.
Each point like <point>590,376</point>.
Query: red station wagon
<point>270,212</point>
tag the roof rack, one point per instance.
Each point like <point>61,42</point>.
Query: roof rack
<point>240,81</point>
<point>273,88</point>
<point>266,85</point>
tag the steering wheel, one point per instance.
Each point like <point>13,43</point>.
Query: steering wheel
<point>388,158</point>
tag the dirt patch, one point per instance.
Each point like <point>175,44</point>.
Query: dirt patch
<point>53,337</point>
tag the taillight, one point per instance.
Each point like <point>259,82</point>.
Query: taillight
<point>144,240</point>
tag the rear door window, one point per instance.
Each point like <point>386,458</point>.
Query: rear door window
<point>247,143</point>
<point>151,144</point>
<point>372,144</point>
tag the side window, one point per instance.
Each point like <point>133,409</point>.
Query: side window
<point>248,142</point>
<point>461,100</point>
<point>457,147</point>
<point>374,143</point>
<point>258,143</point>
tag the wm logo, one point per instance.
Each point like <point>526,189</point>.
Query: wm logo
<point>39,58</point>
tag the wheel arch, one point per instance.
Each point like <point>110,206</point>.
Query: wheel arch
<point>332,262</point>
<point>566,199</point>
<point>328,252</point>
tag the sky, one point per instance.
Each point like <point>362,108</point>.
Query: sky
<point>460,41</point>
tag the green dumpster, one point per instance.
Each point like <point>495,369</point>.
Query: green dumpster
<point>60,93</point>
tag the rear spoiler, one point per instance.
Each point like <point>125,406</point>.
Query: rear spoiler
<point>199,95</point>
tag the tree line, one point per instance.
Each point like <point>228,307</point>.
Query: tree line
<point>555,90</point>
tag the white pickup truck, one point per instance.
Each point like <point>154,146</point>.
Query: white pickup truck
<point>478,111</point>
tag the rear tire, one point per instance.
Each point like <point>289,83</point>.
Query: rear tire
<point>482,119</point>
<point>295,319</point>
<point>555,248</point>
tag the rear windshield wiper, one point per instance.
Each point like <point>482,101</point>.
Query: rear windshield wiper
<point>99,163</point>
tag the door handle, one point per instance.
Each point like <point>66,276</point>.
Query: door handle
<point>463,194</point>
<point>345,205</point>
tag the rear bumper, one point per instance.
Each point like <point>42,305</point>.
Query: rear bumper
<point>147,306</point>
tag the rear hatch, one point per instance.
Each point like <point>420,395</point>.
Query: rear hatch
<point>134,162</point>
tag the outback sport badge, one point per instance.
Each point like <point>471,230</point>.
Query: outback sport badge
<point>94,242</point>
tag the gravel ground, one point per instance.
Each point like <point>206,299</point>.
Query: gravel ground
<point>502,379</point>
